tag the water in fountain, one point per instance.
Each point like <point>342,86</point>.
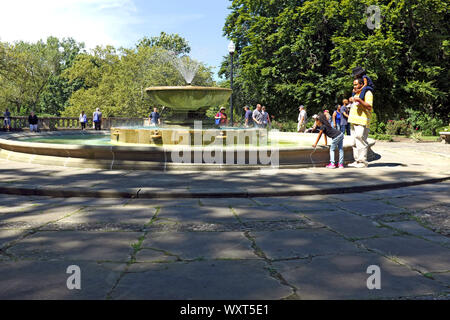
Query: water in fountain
<point>186,66</point>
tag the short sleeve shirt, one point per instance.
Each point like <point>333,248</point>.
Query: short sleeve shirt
<point>302,114</point>
<point>258,115</point>
<point>330,132</point>
<point>360,115</point>
<point>154,117</point>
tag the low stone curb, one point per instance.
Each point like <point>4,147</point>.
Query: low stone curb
<point>69,193</point>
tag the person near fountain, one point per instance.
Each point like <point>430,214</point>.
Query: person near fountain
<point>7,119</point>
<point>83,120</point>
<point>154,118</point>
<point>344,119</point>
<point>97,117</point>
<point>337,116</point>
<point>248,117</point>
<point>328,116</point>
<point>266,118</point>
<point>359,118</point>
<point>258,116</point>
<point>314,128</point>
<point>221,117</point>
<point>301,125</point>
<point>33,121</point>
<point>338,140</point>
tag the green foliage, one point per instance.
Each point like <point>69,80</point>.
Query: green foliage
<point>428,125</point>
<point>170,42</point>
<point>285,126</point>
<point>30,75</point>
<point>292,52</point>
<point>398,127</point>
<point>380,136</point>
<point>115,80</point>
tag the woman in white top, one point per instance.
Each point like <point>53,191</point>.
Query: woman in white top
<point>83,120</point>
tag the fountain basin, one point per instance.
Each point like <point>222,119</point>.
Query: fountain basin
<point>15,147</point>
<point>189,98</point>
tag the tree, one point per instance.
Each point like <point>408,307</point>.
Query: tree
<point>30,73</point>
<point>293,52</point>
<point>115,81</point>
<point>169,42</point>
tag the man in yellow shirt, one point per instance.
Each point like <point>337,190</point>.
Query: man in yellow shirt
<point>359,119</point>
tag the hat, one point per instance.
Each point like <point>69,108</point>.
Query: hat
<point>315,116</point>
<point>223,108</point>
<point>326,111</point>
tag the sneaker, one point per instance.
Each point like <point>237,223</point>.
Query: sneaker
<point>361,165</point>
<point>341,166</point>
<point>331,166</point>
<point>354,164</point>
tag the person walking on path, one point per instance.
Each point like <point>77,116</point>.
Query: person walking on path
<point>344,118</point>
<point>301,126</point>
<point>83,120</point>
<point>359,119</point>
<point>258,116</point>
<point>7,119</point>
<point>248,117</point>
<point>33,121</point>
<point>154,118</point>
<point>338,140</point>
<point>97,118</point>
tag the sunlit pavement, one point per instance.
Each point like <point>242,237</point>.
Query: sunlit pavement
<point>239,241</point>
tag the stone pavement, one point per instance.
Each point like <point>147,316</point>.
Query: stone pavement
<point>399,165</point>
<point>316,246</point>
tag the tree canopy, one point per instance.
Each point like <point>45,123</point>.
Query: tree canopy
<point>292,52</point>
<point>59,77</point>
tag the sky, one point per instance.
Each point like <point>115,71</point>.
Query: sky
<point>120,22</point>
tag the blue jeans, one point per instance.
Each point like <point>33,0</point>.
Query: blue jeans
<point>344,129</point>
<point>337,142</point>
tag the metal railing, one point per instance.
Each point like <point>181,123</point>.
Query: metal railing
<point>68,123</point>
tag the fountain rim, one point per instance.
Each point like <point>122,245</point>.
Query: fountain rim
<point>187,88</point>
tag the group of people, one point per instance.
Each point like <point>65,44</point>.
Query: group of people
<point>96,119</point>
<point>32,121</point>
<point>352,118</point>
<point>258,118</point>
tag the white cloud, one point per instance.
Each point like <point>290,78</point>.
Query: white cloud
<point>95,22</point>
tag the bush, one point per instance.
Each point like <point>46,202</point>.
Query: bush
<point>398,127</point>
<point>379,136</point>
<point>285,126</point>
<point>424,122</point>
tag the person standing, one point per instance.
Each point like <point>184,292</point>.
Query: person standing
<point>33,121</point>
<point>97,117</point>
<point>337,115</point>
<point>83,120</point>
<point>221,117</point>
<point>154,117</point>
<point>359,119</point>
<point>301,126</point>
<point>266,118</point>
<point>258,116</point>
<point>328,116</point>
<point>248,117</point>
<point>7,119</point>
<point>344,117</point>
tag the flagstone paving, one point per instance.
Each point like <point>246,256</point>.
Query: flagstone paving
<point>295,247</point>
